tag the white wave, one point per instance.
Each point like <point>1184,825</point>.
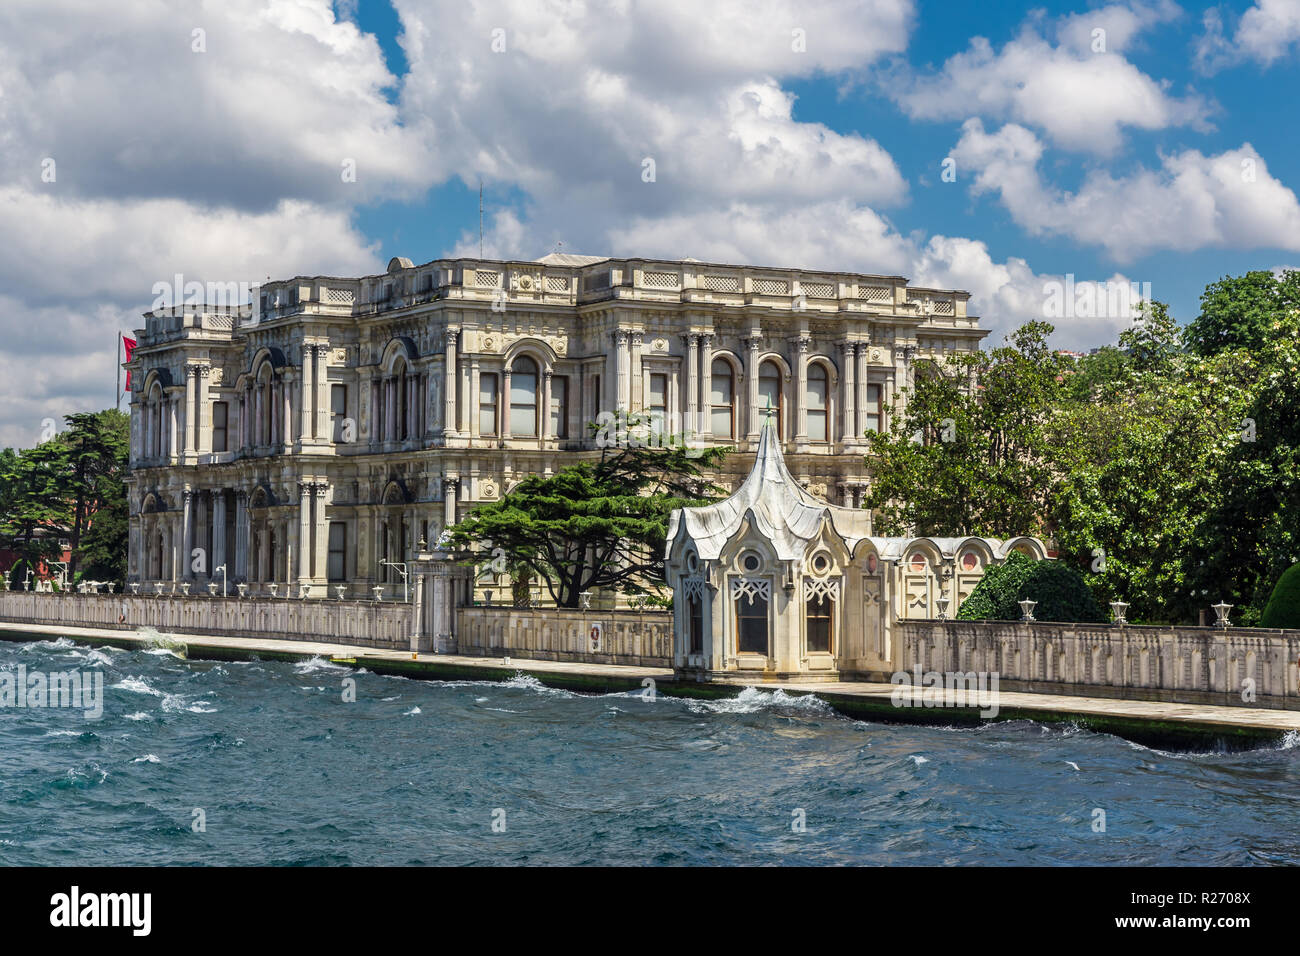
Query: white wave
<point>1290,740</point>
<point>412,712</point>
<point>147,758</point>
<point>919,759</point>
<point>1073,764</point>
<point>164,652</point>
<point>752,700</point>
<point>137,685</point>
<point>314,664</point>
<point>138,715</point>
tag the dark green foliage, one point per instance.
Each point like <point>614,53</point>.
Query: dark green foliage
<point>1283,608</point>
<point>1059,589</point>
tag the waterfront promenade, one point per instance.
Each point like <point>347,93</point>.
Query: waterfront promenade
<point>1156,723</point>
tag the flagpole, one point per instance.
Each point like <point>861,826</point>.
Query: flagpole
<point>119,370</point>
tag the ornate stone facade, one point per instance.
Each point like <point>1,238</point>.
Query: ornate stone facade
<point>312,439</point>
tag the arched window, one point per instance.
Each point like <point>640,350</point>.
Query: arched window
<point>819,420</point>
<point>523,398</point>
<point>723,400</point>
<point>769,394</point>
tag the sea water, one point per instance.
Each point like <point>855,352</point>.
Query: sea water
<point>269,763</point>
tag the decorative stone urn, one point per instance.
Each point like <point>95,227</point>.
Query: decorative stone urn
<point>339,589</point>
<point>274,589</point>
<point>135,587</point>
<point>303,591</point>
<point>379,592</point>
<point>585,597</point>
<point>159,586</point>
<point>243,589</point>
<point>212,589</point>
<point>185,588</point>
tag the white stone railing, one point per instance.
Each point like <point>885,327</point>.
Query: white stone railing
<point>347,622</point>
<point>641,638</point>
<point>1193,664</point>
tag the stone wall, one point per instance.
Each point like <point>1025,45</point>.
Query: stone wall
<point>643,638</point>
<point>1187,664</point>
<point>347,622</point>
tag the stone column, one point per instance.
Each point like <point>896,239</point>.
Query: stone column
<point>304,532</point>
<point>706,385</point>
<point>191,394</point>
<point>241,535</point>
<point>218,532</point>
<point>286,415</point>
<point>636,376</point>
<point>449,384</point>
<point>621,366</point>
<point>753,413</point>
<point>800,355</point>
<point>503,402</point>
<point>320,543</point>
<point>468,397</point>
<point>305,391</point>
<point>847,417</point>
<point>546,405</point>
<point>390,408</point>
<point>450,488</point>
<point>187,533</point>
<point>861,349</point>
<point>203,412</point>
<point>323,431</point>
<point>692,382</point>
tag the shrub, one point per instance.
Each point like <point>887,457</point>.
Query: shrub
<point>1059,589</point>
<point>1283,608</point>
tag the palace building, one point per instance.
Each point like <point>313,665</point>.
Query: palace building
<point>310,440</point>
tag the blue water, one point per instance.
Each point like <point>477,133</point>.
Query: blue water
<point>415,772</point>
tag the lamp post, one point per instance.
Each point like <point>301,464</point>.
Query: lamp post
<point>943,608</point>
<point>1117,608</point>
<point>1027,609</point>
<point>401,569</point>
<point>225,589</point>
<point>1221,612</point>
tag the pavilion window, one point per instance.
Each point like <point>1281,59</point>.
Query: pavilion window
<point>816,403</point>
<point>695,613</point>
<point>872,411</point>
<point>819,613</point>
<point>523,398</point>
<point>723,399</point>
<point>220,421</point>
<point>751,623</point>
<point>487,403</point>
<point>560,407</point>
<point>769,394</point>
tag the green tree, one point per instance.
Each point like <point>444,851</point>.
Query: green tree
<point>1242,312</point>
<point>34,510</point>
<point>96,445</point>
<point>594,524</point>
<point>1059,590</point>
<point>968,455</point>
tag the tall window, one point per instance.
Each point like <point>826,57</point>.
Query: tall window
<point>695,611</point>
<point>337,564</point>
<point>819,428</point>
<point>220,418</point>
<point>487,403</point>
<point>560,407</point>
<point>657,402</point>
<point>400,406</point>
<point>751,623</point>
<point>872,411</point>
<point>523,398</point>
<point>723,399</point>
<point>819,613</point>
<point>769,394</point>
<point>338,409</point>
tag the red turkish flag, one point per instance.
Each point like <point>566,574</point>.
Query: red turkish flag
<point>128,345</point>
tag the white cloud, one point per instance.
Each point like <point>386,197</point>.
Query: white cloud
<point>1081,95</point>
<point>1265,33</point>
<point>1193,201</point>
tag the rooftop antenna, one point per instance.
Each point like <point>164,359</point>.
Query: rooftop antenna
<point>480,218</point>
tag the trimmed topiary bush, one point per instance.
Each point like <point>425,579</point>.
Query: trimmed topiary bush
<point>1283,607</point>
<point>1059,589</point>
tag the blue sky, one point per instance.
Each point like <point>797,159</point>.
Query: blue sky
<point>1249,103</point>
<point>139,141</point>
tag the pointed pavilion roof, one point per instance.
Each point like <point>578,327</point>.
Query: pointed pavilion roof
<point>771,499</point>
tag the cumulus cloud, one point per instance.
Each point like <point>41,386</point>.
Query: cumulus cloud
<point>1080,90</point>
<point>1192,201</point>
<point>1265,33</point>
